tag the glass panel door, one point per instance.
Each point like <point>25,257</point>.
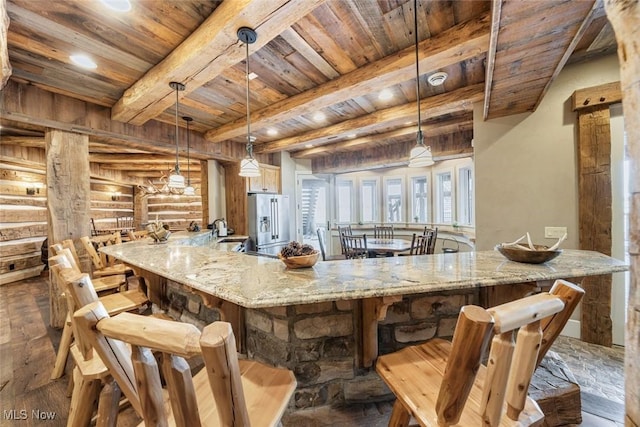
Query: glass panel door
<point>313,207</point>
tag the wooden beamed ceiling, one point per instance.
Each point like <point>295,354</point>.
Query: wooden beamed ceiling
<point>328,56</point>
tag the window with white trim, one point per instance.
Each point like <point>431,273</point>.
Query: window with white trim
<point>465,196</point>
<point>344,201</point>
<point>393,200</point>
<point>444,206</point>
<point>419,199</point>
<point>369,200</point>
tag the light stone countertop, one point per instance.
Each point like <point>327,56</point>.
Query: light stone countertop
<point>253,281</point>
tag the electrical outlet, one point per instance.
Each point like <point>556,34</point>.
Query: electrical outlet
<point>554,232</point>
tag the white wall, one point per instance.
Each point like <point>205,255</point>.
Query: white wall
<point>526,170</point>
<point>217,191</point>
<point>525,165</point>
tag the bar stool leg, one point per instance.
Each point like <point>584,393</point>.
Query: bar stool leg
<point>83,400</point>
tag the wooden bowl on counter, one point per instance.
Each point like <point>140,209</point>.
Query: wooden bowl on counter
<point>539,256</point>
<point>301,261</point>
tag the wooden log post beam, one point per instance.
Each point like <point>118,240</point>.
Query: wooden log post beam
<point>140,209</point>
<point>595,217</point>
<point>373,310</point>
<point>5,65</point>
<point>204,193</point>
<point>69,195</point>
<point>624,16</point>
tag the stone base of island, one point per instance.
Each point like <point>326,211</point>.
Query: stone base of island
<point>328,323</point>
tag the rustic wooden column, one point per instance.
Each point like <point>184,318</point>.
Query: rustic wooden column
<point>204,192</point>
<point>594,207</point>
<point>68,199</point>
<point>624,16</point>
<point>140,209</point>
<point>5,65</point>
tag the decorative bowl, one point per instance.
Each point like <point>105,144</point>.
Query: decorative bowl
<point>301,261</point>
<point>540,255</point>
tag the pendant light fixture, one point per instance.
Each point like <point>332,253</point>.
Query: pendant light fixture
<point>249,166</point>
<point>420,155</point>
<point>176,181</point>
<point>189,190</point>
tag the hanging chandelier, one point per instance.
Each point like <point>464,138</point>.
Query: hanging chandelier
<point>420,155</point>
<point>249,166</point>
<point>174,182</point>
<point>189,190</point>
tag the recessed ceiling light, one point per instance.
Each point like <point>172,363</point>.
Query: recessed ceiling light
<point>308,146</point>
<point>319,116</point>
<point>272,132</point>
<point>118,5</point>
<point>385,95</point>
<point>83,61</point>
<point>351,135</point>
<point>436,79</point>
<point>253,76</point>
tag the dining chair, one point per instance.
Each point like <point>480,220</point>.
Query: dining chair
<point>322,243</point>
<point>124,222</point>
<point>355,246</point>
<point>432,234</point>
<point>226,392</point>
<point>382,232</point>
<point>443,383</point>
<point>419,243</point>
<point>344,230</point>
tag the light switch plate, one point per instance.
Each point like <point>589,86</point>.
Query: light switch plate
<point>554,232</point>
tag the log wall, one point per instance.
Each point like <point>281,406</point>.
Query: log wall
<point>23,222</point>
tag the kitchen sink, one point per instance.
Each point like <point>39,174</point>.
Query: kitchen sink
<point>232,239</point>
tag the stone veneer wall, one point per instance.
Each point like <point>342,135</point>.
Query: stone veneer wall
<point>320,344</point>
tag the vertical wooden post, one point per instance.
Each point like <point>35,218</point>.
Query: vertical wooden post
<point>68,198</point>
<point>204,192</point>
<point>595,222</point>
<point>624,16</point>
<point>140,209</point>
<point>5,65</point>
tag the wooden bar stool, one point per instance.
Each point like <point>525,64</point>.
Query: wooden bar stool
<point>444,384</point>
<point>226,392</point>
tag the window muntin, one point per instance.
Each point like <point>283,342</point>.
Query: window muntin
<point>419,199</point>
<point>369,200</point>
<point>465,196</point>
<point>344,201</point>
<point>393,200</point>
<point>444,212</point>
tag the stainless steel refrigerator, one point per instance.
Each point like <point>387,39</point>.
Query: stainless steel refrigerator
<point>268,223</point>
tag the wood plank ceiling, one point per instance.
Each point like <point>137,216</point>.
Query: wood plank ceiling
<point>333,57</point>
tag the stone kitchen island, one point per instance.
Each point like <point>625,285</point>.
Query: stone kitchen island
<point>329,322</point>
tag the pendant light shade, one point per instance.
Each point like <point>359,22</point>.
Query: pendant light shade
<point>249,166</point>
<point>176,181</point>
<point>420,155</point>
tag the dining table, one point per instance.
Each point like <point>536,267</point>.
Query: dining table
<point>384,245</point>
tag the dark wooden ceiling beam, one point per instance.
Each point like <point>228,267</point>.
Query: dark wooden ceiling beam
<point>428,130</point>
<point>456,101</point>
<point>133,159</point>
<point>33,106</point>
<point>445,147</point>
<point>464,41</point>
<point>207,52</point>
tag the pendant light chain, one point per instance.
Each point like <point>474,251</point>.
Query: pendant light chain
<point>249,142</point>
<point>177,103</point>
<point>420,139</point>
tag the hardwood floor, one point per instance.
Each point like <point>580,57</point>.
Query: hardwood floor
<point>29,398</point>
